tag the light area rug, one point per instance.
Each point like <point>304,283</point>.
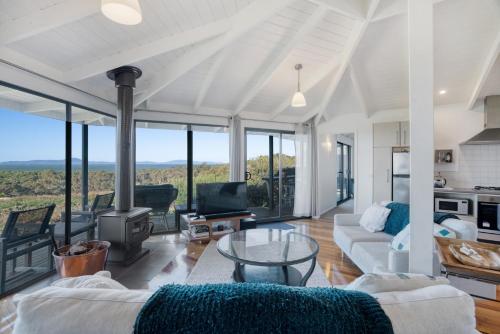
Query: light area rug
<point>212,267</point>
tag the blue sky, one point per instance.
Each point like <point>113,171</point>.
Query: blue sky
<point>30,137</point>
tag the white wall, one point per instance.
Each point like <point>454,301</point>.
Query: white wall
<point>473,164</point>
<point>362,128</point>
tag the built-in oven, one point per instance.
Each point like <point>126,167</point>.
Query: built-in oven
<point>488,210</point>
<point>452,205</point>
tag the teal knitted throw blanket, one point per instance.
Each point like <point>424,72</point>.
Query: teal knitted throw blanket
<point>260,309</point>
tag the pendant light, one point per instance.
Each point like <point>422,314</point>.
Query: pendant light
<point>127,12</point>
<point>298,100</point>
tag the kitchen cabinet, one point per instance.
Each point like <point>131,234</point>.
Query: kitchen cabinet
<point>405,133</point>
<point>382,174</point>
<point>391,134</point>
<point>386,134</point>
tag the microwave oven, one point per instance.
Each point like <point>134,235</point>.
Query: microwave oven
<point>452,205</point>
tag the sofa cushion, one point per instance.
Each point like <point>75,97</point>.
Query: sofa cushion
<point>443,231</point>
<point>376,283</point>
<point>371,256</point>
<point>398,218</point>
<point>346,236</point>
<point>401,241</point>
<point>100,280</point>
<point>374,218</point>
<point>79,311</point>
<point>434,309</point>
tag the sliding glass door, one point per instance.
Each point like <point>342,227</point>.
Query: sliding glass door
<point>344,172</point>
<point>270,173</point>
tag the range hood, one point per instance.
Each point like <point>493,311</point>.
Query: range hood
<point>491,133</point>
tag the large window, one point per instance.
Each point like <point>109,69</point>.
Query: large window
<point>32,153</point>
<point>210,155</point>
<point>33,139</point>
<point>163,161</point>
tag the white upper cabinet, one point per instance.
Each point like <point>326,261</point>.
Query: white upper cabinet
<point>391,134</point>
<point>386,134</point>
<point>405,133</point>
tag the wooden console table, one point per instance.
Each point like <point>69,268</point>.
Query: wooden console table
<point>456,268</point>
<point>190,221</point>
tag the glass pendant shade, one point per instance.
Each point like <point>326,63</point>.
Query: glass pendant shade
<point>298,100</point>
<point>127,12</point>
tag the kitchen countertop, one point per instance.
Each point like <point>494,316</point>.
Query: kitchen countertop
<point>466,191</point>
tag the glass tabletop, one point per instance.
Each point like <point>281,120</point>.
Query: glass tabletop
<point>268,247</point>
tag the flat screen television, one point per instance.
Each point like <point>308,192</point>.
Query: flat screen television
<point>225,197</point>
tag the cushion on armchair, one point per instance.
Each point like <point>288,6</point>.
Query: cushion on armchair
<point>376,283</point>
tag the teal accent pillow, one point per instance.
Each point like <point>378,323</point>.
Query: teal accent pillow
<point>398,218</point>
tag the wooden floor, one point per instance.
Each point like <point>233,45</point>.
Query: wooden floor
<point>178,257</point>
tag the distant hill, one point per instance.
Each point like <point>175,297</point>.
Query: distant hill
<point>59,164</point>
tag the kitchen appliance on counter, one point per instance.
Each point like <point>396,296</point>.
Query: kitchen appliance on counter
<point>439,181</point>
<point>401,174</point>
<point>488,211</point>
<point>452,205</point>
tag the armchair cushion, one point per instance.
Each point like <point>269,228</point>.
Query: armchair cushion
<point>463,229</point>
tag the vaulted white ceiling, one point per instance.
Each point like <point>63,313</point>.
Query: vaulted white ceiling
<point>228,57</point>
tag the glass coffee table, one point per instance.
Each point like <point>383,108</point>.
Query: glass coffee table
<point>267,255</point>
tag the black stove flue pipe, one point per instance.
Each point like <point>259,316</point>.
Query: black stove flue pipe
<point>124,78</point>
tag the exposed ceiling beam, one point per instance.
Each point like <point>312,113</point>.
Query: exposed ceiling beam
<point>251,16</point>
<point>10,104</point>
<point>485,71</point>
<point>31,64</point>
<point>209,78</point>
<point>350,8</point>
<point>275,60</point>
<point>47,18</point>
<point>352,45</point>
<point>41,106</point>
<point>358,91</point>
<point>154,48</point>
<point>395,8</point>
<point>183,109</point>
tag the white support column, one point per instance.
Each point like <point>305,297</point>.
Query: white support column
<point>421,75</point>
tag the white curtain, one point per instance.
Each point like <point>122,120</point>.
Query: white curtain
<point>306,179</point>
<point>235,147</point>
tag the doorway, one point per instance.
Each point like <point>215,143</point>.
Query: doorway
<point>270,173</point>
<point>345,177</point>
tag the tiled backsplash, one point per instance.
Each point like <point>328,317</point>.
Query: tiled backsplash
<point>477,165</point>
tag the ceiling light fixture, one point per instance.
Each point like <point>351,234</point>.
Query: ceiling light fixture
<point>126,12</point>
<point>442,92</point>
<point>298,100</point>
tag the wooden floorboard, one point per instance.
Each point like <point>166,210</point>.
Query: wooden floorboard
<point>180,256</point>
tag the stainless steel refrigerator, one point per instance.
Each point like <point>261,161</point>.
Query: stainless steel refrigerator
<point>401,174</point>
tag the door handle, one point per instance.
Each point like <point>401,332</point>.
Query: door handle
<point>387,175</point>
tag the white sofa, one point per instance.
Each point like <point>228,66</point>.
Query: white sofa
<point>372,252</point>
<point>416,306</point>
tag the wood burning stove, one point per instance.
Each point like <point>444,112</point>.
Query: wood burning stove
<point>126,227</point>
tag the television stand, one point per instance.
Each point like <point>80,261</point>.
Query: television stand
<point>212,235</point>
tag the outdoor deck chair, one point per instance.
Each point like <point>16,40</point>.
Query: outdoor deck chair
<point>157,197</point>
<point>85,221</point>
<point>26,248</point>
